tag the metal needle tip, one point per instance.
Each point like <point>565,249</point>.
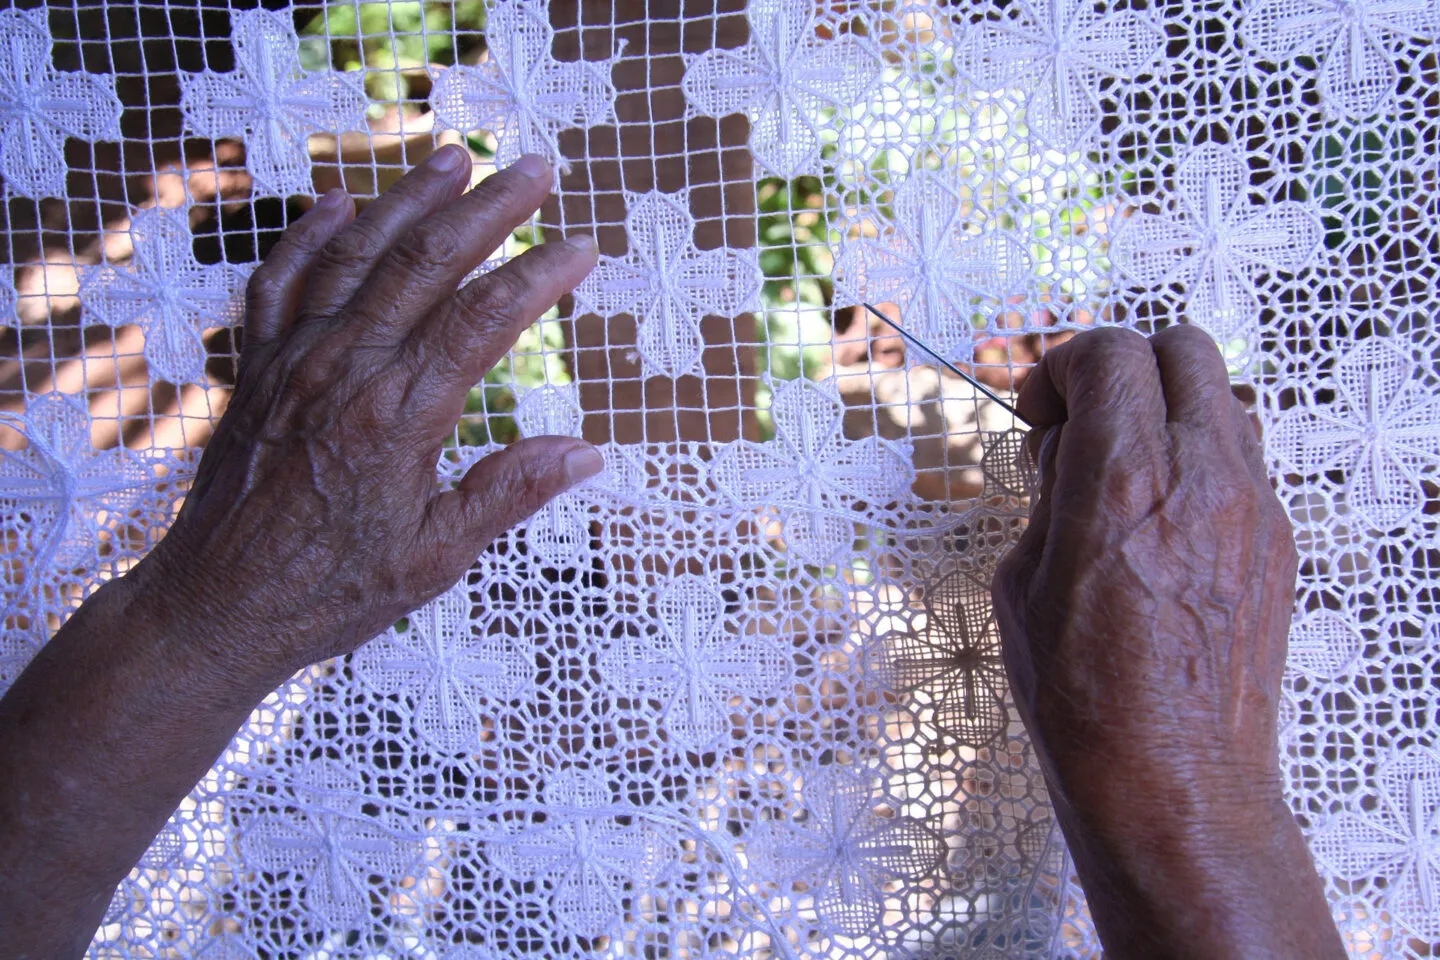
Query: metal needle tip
<point>947,364</point>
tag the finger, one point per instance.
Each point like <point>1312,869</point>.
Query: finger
<point>1194,378</point>
<point>1010,592</point>
<point>273,294</point>
<point>352,254</point>
<point>506,487</point>
<point>1247,432</point>
<point>1045,461</point>
<point>473,331</point>
<point>1026,553</point>
<point>1010,585</point>
<point>423,267</point>
<point>1106,379</point>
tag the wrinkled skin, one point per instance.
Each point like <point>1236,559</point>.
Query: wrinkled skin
<point>1144,617</point>
<point>1143,614</point>
<point>316,520</point>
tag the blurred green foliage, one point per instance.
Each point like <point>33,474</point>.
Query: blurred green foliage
<point>794,234</point>
<point>386,39</point>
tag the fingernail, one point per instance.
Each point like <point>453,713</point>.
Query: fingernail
<point>333,200</point>
<point>582,463</point>
<point>449,158</point>
<point>583,242</point>
<point>533,166</point>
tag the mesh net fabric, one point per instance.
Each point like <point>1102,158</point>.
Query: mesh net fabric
<point>741,694</point>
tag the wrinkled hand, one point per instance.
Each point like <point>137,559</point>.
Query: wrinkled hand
<point>1145,611</point>
<point>1144,616</point>
<point>316,519</point>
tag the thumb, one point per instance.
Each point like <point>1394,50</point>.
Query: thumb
<point>1011,587</point>
<point>1019,565</point>
<point>508,486</point>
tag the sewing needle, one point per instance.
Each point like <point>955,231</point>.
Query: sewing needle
<point>947,364</point>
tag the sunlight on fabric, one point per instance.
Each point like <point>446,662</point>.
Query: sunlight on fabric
<point>741,694</point>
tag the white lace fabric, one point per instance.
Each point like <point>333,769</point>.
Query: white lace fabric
<point>741,694</point>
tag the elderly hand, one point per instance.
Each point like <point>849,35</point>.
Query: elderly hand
<point>1144,617</point>
<point>316,519</point>
<point>315,522</point>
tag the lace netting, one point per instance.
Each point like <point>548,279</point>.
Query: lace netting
<point>741,694</point>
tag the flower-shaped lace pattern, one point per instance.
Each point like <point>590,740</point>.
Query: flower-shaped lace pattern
<point>328,846</point>
<point>669,285</point>
<point>936,260</point>
<point>1214,241</point>
<point>40,107</point>
<point>947,668</point>
<point>447,662</point>
<point>169,294</point>
<point>521,93</point>
<point>696,664</point>
<point>1382,431</point>
<point>844,850</point>
<point>1396,838</point>
<point>820,483</point>
<point>1356,42</point>
<point>786,79</point>
<point>1060,52</point>
<point>272,104</point>
<point>73,491</point>
<point>588,853</point>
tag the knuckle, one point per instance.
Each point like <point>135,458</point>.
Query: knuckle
<point>1111,343</point>
<point>490,304</point>
<point>311,376</point>
<point>1005,581</point>
<point>502,190</point>
<point>426,249</point>
<point>1182,335</point>
<point>266,286</point>
<point>357,244</point>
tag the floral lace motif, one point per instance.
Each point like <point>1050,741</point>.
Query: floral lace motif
<point>40,107</point>
<point>1215,242</point>
<point>445,663</point>
<point>271,104</point>
<point>168,293</point>
<point>844,851</point>
<point>1061,53</point>
<point>1395,839</point>
<point>669,285</point>
<point>588,860</point>
<point>521,93</point>
<point>71,490</point>
<point>819,483</point>
<point>784,79</point>
<point>321,842</point>
<point>946,666</point>
<point>935,260</point>
<point>1382,433</point>
<point>1355,42</point>
<point>699,666</point>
